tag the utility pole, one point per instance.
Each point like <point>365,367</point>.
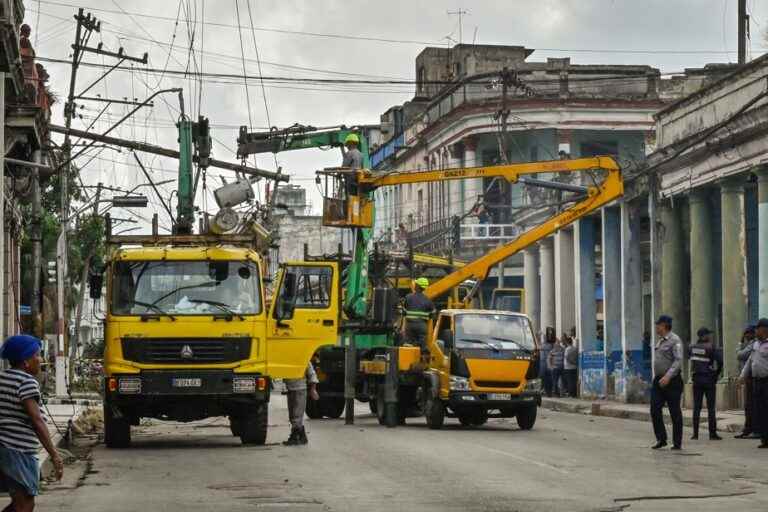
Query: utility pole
<point>460,13</point>
<point>36,237</point>
<point>743,31</point>
<point>85,26</point>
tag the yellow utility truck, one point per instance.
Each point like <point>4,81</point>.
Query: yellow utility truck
<point>188,335</point>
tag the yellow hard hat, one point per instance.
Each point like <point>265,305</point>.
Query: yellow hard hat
<point>422,282</point>
<point>352,137</point>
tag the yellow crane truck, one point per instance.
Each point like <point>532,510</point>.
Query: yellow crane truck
<point>479,363</point>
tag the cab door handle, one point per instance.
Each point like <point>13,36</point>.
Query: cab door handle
<point>328,323</point>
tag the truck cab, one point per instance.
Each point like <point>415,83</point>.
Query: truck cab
<point>483,364</point>
<point>508,299</point>
<point>188,334</point>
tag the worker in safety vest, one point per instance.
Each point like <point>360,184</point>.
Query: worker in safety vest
<point>418,310</point>
<point>353,158</point>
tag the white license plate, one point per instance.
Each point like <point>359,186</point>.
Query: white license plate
<point>499,396</point>
<point>187,383</point>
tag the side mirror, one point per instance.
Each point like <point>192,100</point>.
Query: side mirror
<point>95,282</point>
<point>441,344</point>
<point>446,336</point>
<point>287,298</point>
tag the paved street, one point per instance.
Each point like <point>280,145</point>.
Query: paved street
<point>568,462</point>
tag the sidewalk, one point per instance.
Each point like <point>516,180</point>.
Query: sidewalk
<point>727,421</point>
<point>58,416</point>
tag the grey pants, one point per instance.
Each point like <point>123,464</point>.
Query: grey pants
<point>297,404</point>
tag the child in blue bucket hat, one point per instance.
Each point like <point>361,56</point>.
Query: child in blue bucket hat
<point>22,427</point>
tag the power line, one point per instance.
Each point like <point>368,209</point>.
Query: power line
<point>404,41</point>
<point>260,29</point>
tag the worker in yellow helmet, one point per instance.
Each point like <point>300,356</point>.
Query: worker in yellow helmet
<point>418,310</point>
<point>353,158</point>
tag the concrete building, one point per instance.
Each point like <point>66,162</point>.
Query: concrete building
<point>297,226</point>
<point>709,200</point>
<point>25,109</point>
<point>596,276</point>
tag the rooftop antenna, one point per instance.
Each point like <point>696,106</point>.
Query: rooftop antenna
<point>460,13</point>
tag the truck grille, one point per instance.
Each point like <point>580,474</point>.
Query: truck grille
<point>186,350</point>
<point>496,384</point>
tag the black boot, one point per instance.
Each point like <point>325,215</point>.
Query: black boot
<point>294,438</point>
<point>303,436</point>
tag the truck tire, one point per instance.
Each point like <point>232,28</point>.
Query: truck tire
<point>253,426</point>
<point>313,409</point>
<point>387,414</point>
<point>526,417</point>
<point>331,407</point>
<point>434,410</point>
<point>235,425</point>
<point>117,431</point>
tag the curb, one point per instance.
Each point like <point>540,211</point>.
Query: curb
<point>609,410</point>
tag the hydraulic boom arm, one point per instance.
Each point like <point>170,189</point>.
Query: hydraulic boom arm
<point>611,188</point>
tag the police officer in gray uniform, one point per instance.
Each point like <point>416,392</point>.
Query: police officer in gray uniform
<point>745,350</point>
<point>757,369</point>
<point>707,366</point>
<point>667,386</point>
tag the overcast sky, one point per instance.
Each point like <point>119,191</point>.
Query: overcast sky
<point>668,34</point>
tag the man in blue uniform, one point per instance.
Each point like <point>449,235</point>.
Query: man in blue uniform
<point>707,366</point>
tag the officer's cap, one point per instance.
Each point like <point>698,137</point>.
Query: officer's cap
<point>666,319</point>
<point>704,331</point>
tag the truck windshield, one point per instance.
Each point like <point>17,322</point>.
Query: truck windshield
<point>501,331</point>
<point>185,288</point>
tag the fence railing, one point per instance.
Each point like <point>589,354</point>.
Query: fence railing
<point>489,232</point>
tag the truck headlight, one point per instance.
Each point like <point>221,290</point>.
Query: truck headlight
<point>533,385</point>
<point>244,385</point>
<point>129,385</point>
<point>459,383</point>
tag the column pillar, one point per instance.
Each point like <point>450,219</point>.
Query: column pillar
<point>673,268</point>
<point>547,256</point>
<point>473,187</point>
<point>2,204</point>
<point>703,300</point>
<point>734,272</point>
<point>635,378</point>
<point>762,240</point>
<point>565,299</point>
<point>611,250</point>
<point>532,286</point>
<point>592,362</point>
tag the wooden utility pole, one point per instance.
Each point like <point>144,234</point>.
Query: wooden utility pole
<point>743,31</point>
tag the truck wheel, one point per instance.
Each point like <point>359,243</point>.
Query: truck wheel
<point>526,417</point>
<point>253,426</point>
<point>313,408</point>
<point>386,413</point>
<point>434,410</point>
<point>235,425</point>
<point>332,407</point>
<point>117,431</point>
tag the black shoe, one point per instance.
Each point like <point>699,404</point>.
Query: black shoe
<point>743,435</point>
<point>303,436</point>
<point>763,445</point>
<point>715,437</point>
<point>293,439</point>
<point>659,444</point>
<point>676,447</point>
<point>694,437</point>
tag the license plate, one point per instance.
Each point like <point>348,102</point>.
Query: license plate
<point>499,396</point>
<point>187,383</point>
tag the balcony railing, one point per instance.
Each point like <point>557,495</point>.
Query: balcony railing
<point>489,232</point>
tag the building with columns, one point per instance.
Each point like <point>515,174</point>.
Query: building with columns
<point>682,241</point>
